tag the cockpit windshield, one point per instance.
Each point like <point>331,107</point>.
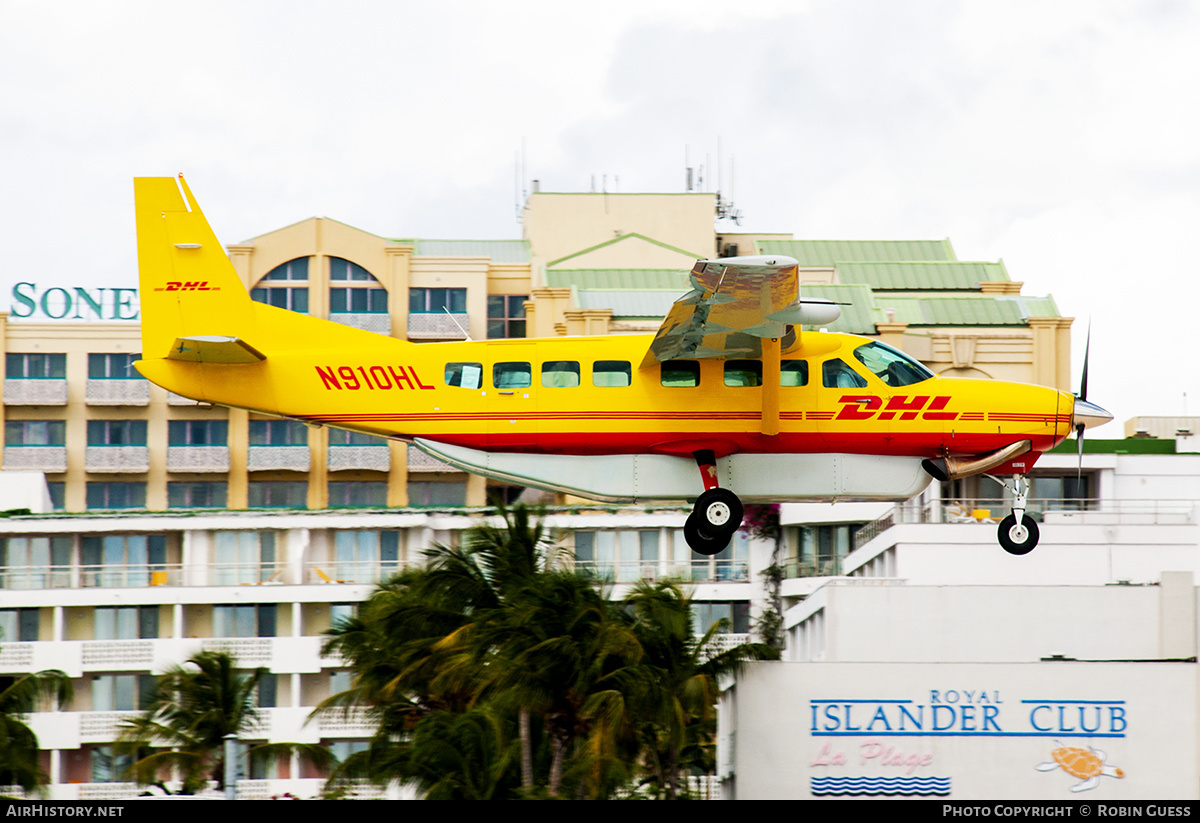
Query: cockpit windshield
<point>895,368</point>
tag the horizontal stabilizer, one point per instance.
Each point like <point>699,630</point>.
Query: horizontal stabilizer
<point>229,350</point>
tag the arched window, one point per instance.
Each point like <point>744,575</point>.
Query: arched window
<point>285,286</point>
<point>354,289</point>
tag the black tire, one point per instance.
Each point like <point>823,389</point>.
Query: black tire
<point>1018,539</point>
<point>703,542</point>
<point>719,510</point>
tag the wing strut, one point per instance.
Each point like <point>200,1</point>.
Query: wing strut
<point>770,386</point>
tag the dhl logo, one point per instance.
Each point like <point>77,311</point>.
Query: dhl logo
<point>193,285</point>
<point>902,407</point>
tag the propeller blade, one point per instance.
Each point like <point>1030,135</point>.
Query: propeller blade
<point>1079,441</point>
<point>1086,351</point>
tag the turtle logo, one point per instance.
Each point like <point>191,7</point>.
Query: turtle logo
<point>1085,764</point>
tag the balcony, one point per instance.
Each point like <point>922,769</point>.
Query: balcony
<point>50,391</point>
<point>39,458</point>
<point>174,399</point>
<point>370,458</point>
<point>695,571</point>
<point>198,458</point>
<point>378,322</point>
<point>419,461</point>
<point>1072,510</point>
<point>142,576</point>
<point>117,392</point>
<point>441,326</point>
<point>118,655</point>
<point>279,458</point>
<point>118,459</point>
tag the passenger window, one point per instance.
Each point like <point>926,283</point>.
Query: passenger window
<point>835,374</point>
<point>465,375</point>
<point>611,373</point>
<point>512,376</point>
<point>560,374</point>
<point>793,373</point>
<point>743,372</point>
<point>681,373</point>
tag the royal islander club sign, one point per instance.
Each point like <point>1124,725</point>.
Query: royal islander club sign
<point>33,302</point>
<point>1053,730</point>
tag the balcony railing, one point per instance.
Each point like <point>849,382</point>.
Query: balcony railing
<point>108,576</point>
<point>118,459</point>
<point>281,458</point>
<point>438,326</point>
<point>419,461</point>
<point>1077,510</point>
<point>50,391</point>
<point>354,571</point>
<point>38,458</point>
<point>198,458</point>
<point>696,571</point>
<point>378,322</point>
<point>370,458</point>
<point>135,392</point>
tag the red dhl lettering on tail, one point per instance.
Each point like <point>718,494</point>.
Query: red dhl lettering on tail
<point>378,378</point>
<point>903,407</point>
<point>192,285</point>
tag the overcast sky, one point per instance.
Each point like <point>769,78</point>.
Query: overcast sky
<point>1059,136</point>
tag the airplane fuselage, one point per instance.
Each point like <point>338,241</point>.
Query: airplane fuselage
<point>588,396</point>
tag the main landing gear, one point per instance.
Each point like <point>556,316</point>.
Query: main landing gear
<point>1018,533</point>
<point>717,513</point>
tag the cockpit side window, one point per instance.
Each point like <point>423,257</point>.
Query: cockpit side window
<point>893,367</point>
<point>835,374</point>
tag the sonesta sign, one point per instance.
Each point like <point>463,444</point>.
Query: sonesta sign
<point>78,303</point>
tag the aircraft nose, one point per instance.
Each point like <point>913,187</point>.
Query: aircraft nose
<point>1089,415</point>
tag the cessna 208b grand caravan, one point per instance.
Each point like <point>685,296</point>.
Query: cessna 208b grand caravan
<point>729,401</point>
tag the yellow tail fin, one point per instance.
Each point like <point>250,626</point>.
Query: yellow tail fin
<point>188,286</point>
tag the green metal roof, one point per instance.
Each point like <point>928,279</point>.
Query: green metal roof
<point>859,317</point>
<point>953,310</point>
<point>628,303</point>
<point>831,252</point>
<point>500,251</point>
<point>922,276</point>
<point>674,280</point>
<point>633,235</point>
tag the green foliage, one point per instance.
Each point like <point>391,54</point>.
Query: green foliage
<point>20,695</point>
<point>190,711</point>
<point>493,676</point>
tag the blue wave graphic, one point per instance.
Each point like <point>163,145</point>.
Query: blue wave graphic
<point>880,786</point>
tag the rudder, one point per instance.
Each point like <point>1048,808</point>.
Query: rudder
<point>187,284</point>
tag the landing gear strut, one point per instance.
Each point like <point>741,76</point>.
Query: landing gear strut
<point>1018,533</point>
<point>717,513</point>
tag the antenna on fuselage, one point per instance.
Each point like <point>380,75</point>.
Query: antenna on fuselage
<point>453,320</point>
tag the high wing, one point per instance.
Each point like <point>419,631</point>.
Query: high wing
<point>736,303</point>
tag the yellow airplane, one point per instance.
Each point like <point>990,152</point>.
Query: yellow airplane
<point>727,395</point>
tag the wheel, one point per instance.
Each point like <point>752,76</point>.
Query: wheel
<point>719,510</point>
<point>703,542</point>
<point>1018,539</point>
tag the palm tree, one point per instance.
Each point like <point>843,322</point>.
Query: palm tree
<point>483,627</point>
<point>189,713</point>
<point>677,701</point>
<point>20,695</point>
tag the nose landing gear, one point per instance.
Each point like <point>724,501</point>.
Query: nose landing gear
<point>1018,534</point>
<point>717,513</point>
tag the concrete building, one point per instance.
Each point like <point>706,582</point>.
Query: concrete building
<point>995,662</point>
